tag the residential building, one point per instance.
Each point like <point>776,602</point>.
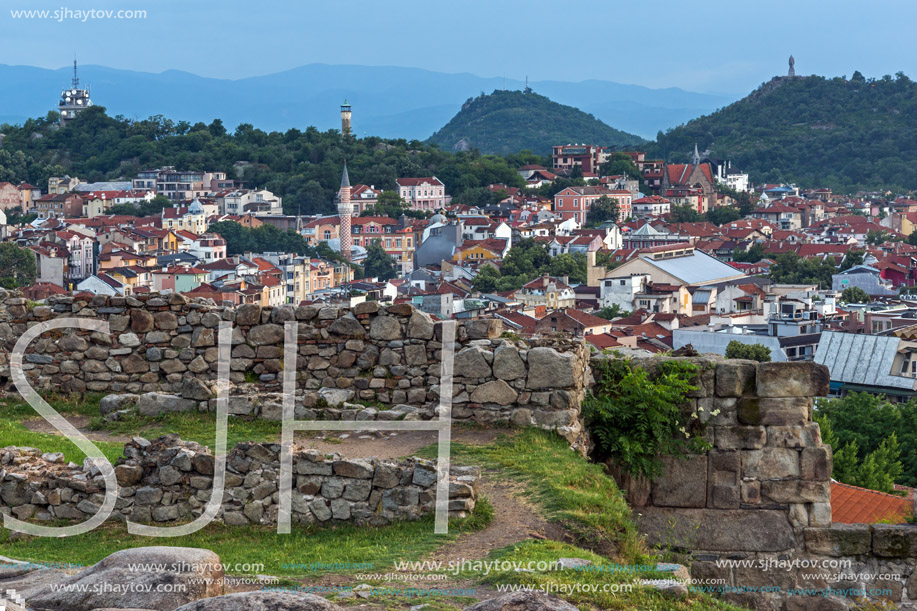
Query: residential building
<point>178,278</point>
<point>182,185</point>
<point>423,193</point>
<point>9,196</point>
<point>575,202</point>
<point>61,185</point>
<point>58,206</point>
<point>865,277</point>
<point>587,157</point>
<point>549,292</point>
<point>248,201</point>
<point>877,364</point>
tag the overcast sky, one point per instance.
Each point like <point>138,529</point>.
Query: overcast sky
<point>714,46</point>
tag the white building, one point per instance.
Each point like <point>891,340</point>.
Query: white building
<point>423,193</point>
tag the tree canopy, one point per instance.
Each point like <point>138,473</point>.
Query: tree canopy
<point>17,266</point>
<point>754,352</point>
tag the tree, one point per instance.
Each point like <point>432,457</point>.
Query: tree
<point>153,207</point>
<point>378,263</point>
<point>621,164</point>
<point>876,470</point>
<point>790,268</point>
<point>854,294</point>
<point>754,254</point>
<point>857,426</point>
<point>684,213</point>
<point>18,266</point>
<point>486,280</point>
<point>611,312</point>
<point>754,352</point>
<point>722,215</point>
<point>852,258</point>
<point>602,210</point>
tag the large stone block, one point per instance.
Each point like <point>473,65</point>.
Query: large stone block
<point>816,463</point>
<point>485,328</point>
<point>739,437</point>
<point>495,391</point>
<point>794,379</point>
<point>735,378</point>
<point>780,411</point>
<point>683,482</point>
<point>508,365</point>
<point>386,328</point>
<point>726,530</point>
<point>471,363</point>
<point>723,480</point>
<point>549,368</point>
<point>770,463</point>
<point>839,540</point>
<point>894,540</point>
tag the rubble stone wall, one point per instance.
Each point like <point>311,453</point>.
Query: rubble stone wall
<point>760,499</point>
<point>168,480</point>
<point>369,362</point>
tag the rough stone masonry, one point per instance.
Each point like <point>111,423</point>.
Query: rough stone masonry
<point>370,354</point>
<point>761,496</point>
<point>169,480</point>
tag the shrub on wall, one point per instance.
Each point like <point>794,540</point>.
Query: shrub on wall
<point>634,418</point>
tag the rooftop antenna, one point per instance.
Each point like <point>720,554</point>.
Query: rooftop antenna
<point>76,79</point>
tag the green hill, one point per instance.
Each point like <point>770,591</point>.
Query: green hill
<point>509,121</point>
<point>844,134</point>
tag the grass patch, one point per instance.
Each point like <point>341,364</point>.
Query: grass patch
<point>586,588</point>
<point>14,433</point>
<point>190,426</point>
<point>570,489</point>
<point>280,555</point>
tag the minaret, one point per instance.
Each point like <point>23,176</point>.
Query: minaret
<point>345,119</point>
<point>345,210</point>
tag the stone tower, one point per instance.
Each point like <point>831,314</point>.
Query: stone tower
<point>345,210</point>
<point>792,71</point>
<point>345,120</point>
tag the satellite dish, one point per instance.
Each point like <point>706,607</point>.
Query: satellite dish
<point>79,101</point>
<point>73,92</point>
<point>68,98</point>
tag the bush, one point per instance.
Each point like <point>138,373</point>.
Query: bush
<point>753,352</point>
<point>635,419</point>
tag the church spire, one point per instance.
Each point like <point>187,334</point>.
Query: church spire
<point>696,159</point>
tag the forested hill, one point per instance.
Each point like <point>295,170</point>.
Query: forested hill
<point>844,134</point>
<point>510,121</point>
<point>302,166</point>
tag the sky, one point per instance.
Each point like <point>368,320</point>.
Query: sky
<point>715,46</point>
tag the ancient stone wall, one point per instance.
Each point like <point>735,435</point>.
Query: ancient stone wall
<point>761,497</point>
<point>168,480</point>
<point>359,362</point>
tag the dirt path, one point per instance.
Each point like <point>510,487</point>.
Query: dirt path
<point>390,444</point>
<point>40,425</point>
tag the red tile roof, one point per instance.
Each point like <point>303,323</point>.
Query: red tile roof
<point>854,505</point>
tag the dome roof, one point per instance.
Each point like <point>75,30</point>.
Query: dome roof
<point>437,218</point>
<point>196,207</point>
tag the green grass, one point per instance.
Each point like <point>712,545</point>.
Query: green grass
<point>190,426</point>
<point>570,489</point>
<point>14,433</point>
<point>380,546</point>
<point>577,586</point>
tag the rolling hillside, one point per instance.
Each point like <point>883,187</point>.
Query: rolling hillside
<point>509,121</point>
<point>845,134</point>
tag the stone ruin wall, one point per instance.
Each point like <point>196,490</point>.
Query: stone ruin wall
<point>366,363</point>
<point>763,494</point>
<point>168,481</point>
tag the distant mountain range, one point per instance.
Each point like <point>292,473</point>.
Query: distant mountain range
<point>506,122</point>
<point>387,101</point>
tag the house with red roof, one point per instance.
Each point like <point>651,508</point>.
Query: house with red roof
<point>423,193</point>
<point>682,181</point>
<point>855,505</point>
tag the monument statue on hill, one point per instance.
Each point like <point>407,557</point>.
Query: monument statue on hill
<point>792,71</point>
